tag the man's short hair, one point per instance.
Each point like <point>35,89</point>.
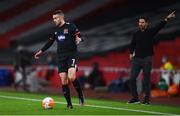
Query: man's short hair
<point>145,18</point>
<point>58,12</point>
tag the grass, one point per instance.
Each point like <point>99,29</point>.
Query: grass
<point>20,103</point>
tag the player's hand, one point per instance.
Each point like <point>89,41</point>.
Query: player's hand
<point>78,40</point>
<point>171,15</point>
<point>131,56</point>
<point>38,54</point>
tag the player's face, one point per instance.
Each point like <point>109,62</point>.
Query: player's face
<point>142,24</point>
<point>58,19</point>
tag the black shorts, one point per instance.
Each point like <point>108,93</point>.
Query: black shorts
<point>66,61</point>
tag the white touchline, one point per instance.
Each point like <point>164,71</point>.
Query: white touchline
<point>95,106</point>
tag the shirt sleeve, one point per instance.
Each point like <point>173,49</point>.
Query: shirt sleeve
<point>47,45</point>
<point>49,42</point>
<point>158,27</point>
<point>133,44</point>
<point>75,30</point>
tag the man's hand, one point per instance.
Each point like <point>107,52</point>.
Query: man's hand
<point>171,15</point>
<point>78,40</point>
<point>131,56</point>
<point>38,54</point>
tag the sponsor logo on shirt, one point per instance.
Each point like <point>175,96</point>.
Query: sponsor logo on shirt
<point>61,37</point>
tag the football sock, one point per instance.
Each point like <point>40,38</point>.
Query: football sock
<point>66,93</point>
<point>77,86</point>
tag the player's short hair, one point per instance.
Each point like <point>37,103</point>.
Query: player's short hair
<point>145,18</point>
<point>58,12</point>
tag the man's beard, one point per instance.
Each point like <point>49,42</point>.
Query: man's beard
<point>58,24</point>
<point>142,27</point>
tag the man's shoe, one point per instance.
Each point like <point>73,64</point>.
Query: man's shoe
<point>145,103</point>
<point>81,101</point>
<point>133,101</point>
<point>69,106</point>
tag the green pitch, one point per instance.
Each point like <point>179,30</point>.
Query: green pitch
<point>19,103</point>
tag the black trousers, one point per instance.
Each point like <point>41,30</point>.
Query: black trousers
<point>146,65</point>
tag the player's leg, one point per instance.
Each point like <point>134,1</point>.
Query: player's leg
<point>72,77</point>
<point>62,66</point>
<point>65,88</point>
<point>147,66</point>
<point>135,69</point>
<point>24,79</point>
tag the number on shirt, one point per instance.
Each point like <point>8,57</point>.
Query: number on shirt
<point>73,62</point>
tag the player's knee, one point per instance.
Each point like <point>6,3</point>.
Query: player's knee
<point>71,77</point>
<point>72,74</point>
<point>64,81</point>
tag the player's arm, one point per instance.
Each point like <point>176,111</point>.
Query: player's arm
<point>76,34</point>
<point>132,48</point>
<point>162,23</point>
<point>45,47</point>
<point>170,16</point>
<point>78,37</point>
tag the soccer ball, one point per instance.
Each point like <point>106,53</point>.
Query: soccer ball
<point>48,103</point>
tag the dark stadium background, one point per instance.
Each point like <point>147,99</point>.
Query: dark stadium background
<point>106,26</point>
